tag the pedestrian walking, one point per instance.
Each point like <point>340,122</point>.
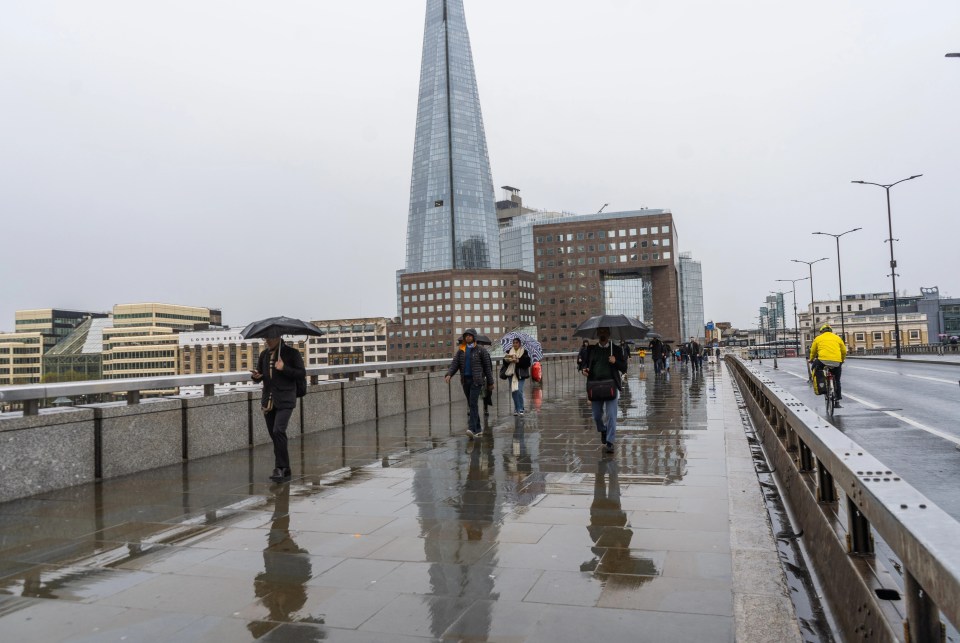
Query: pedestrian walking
<point>641,355</point>
<point>582,355</point>
<point>279,367</point>
<point>657,350</point>
<point>476,375</point>
<point>696,355</point>
<point>516,369</point>
<point>605,361</point>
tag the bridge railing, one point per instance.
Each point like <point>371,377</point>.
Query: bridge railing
<point>912,349</point>
<point>840,495</point>
<point>32,395</point>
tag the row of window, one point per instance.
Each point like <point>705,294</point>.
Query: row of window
<point>878,335</point>
<point>581,261</point>
<point>486,283</point>
<point>604,247</point>
<point>347,340</point>
<point>826,309</point>
<point>604,234</point>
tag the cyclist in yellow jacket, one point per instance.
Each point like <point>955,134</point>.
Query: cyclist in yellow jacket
<point>829,348</point>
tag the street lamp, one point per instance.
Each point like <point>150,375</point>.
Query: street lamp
<point>796,326</point>
<point>893,262</point>
<point>843,328</point>
<point>810,269</point>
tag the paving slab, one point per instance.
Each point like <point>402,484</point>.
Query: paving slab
<point>403,529</point>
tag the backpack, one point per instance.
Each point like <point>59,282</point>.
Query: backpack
<point>536,372</point>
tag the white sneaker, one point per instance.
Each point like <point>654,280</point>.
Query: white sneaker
<point>471,434</point>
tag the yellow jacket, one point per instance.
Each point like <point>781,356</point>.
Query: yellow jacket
<point>828,347</point>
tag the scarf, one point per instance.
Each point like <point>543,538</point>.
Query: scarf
<point>512,368</point>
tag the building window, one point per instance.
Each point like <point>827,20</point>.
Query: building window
<point>860,336</point>
<point>914,334</point>
<point>878,336</point>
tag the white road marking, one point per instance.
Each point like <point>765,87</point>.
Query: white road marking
<point>875,370</point>
<point>893,414</point>
<point>913,423</point>
<point>933,379</point>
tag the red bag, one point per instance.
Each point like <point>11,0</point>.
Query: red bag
<point>536,372</point>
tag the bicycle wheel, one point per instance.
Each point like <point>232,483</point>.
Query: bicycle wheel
<point>828,397</point>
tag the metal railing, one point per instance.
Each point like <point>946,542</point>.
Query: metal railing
<point>924,537</point>
<point>915,349</point>
<point>31,395</point>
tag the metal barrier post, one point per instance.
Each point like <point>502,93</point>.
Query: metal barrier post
<point>806,456</point>
<point>826,490</point>
<point>859,538</point>
<point>208,390</point>
<point>923,617</point>
<point>31,407</point>
<point>133,397</point>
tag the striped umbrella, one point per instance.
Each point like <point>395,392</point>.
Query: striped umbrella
<point>529,343</point>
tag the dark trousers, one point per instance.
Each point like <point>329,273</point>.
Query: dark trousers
<point>473,393</point>
<point>277,421</point>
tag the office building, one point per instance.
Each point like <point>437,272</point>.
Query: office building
<point>452,221</point>
<point>438,306</point>
<point>172,316</point>
<point>53,323</point>
<point>21,358</point>
<point>348,341</point>
<point>79,355</point>
<point>691,297</point>
<point>216,351</point>
<point>609,263</point>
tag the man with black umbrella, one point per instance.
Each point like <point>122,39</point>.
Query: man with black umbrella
<point>605,361</point>
<point>279,367</point>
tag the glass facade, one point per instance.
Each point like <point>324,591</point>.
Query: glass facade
<point>452,222</point>
<point>691,297</point>
<point>627,294</point>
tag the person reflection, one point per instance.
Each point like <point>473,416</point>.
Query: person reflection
<point>281,586</point>
<point>609,531</point>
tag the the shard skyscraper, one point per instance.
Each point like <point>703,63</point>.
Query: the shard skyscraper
<point>452,223</point>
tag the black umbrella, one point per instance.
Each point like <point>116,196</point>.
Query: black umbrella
<point>277,326</point>
<point>483,340</point>
<point>621,327</point>
<point>653,335</point>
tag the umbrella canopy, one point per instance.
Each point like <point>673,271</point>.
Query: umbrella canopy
<point>483,340</point>
<point>621,327</point>
<point>277,326</point>
<point>653,335</point>
<point>530,343</point>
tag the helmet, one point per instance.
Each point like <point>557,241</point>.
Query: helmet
<point>826,329</point>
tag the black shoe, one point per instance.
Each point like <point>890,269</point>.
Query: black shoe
<point>287,474</point>
<point>837,405</point>
<point>603,437</point>
<point>608,447</point>
<point>277,475</point>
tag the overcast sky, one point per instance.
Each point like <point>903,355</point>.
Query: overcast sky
<point>256,156</point>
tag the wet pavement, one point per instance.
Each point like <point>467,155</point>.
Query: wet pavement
<point>405,530</point>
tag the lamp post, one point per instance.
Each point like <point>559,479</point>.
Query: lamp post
<point>843,328</point>
<point>796,326</point>
<point>893,262</point>
<point>810,272</point>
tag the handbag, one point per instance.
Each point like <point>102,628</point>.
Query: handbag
<point>503,371</point>
<point>601,390</point>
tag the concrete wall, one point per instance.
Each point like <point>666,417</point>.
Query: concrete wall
<point>48,451</point>
<point>64,447</point>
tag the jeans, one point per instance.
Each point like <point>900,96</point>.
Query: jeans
<point>517,395</point>
<point>473,393</point>
<point>610,408</point>
<point>277,421</point>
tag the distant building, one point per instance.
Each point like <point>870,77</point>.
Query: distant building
<point>21,358</point>
<point>144,339</point>
<point>348,341</point>
<point>868,320</point>
<point>216,351</point>
<point>436,308</point>
<point>691,297</point>
<point>79,355</point>
<point>53,323</point>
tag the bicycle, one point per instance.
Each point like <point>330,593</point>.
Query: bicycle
<point>829,393</point>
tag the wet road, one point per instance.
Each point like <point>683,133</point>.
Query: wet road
<point>404,530</point>
<point>904,413</point>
